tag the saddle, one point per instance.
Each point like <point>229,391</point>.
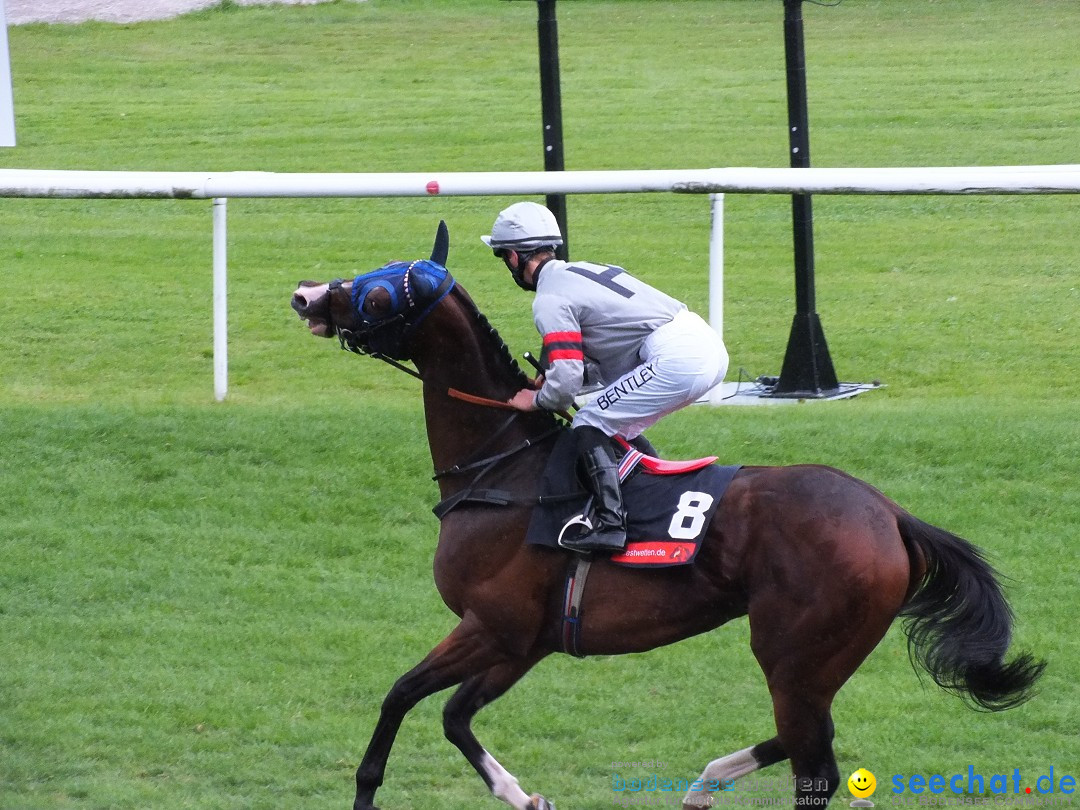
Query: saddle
<point>669,504</point>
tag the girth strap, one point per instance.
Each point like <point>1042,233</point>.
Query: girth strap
<point>576,576</point>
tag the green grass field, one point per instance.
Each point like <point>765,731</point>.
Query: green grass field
<point>202,604</point>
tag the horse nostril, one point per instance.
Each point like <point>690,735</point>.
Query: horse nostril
<point>299,301</point>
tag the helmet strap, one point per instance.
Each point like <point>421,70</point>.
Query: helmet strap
<point>518,273</point>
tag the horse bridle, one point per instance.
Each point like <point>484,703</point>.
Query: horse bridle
<point>357,340</point>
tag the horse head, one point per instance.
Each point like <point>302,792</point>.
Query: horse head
<point>375,313</point>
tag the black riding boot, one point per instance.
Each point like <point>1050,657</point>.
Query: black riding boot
<point>602,475</point>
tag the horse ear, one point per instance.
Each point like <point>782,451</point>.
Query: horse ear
<point>442,244</point>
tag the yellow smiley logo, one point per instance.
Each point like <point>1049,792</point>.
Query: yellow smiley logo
<point>862,783</point>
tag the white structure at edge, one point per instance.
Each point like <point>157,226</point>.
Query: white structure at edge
<point>7,102</point>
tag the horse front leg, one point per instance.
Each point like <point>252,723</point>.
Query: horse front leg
<point>473,695</point>
<point>468,650</point>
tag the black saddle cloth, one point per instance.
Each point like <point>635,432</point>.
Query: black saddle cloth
<point>667,514</point>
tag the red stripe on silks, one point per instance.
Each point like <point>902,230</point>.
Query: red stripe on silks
<point>559,337</point>
<point>566,354</point>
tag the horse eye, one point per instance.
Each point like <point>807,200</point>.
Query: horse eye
<point>377,303</point>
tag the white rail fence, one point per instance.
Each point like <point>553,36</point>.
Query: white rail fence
<point>45,183</point>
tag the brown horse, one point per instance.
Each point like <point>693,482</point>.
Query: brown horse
<point>821,562</point>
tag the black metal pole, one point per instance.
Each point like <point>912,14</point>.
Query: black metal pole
<point>808,369</point>
<point>551,110</point>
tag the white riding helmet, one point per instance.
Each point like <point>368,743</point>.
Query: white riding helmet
<point>524,226</point>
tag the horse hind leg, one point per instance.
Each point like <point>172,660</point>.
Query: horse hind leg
<point>803,682</point>
<point>473,695</point>
<point>805,663</point>
<point>806,730</point>
<point>720,773</point>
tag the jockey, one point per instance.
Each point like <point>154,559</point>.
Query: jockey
<point>651,354</point>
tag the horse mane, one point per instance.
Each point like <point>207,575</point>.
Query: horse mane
<point>502,352</point>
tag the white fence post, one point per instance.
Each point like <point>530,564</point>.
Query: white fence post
<point>7,103</point>
<point>221,311</point>
<point>716,279</point>
<point>716,264</point>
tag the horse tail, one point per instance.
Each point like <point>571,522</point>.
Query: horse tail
<point>958,623</point>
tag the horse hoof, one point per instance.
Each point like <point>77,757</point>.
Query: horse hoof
<point>538,802</point>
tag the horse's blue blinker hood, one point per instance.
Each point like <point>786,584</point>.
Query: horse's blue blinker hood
<point>410,285</point>
<point>414,290</point>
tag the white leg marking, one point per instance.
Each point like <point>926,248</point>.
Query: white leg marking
<point>503,784</point>
<point>721,770</point>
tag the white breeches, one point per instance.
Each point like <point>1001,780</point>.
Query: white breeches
<point>681,361</point>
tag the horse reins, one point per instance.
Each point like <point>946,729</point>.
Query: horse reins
<point>348,340</point>
<point>475,400</point>
<point>472,399</point>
